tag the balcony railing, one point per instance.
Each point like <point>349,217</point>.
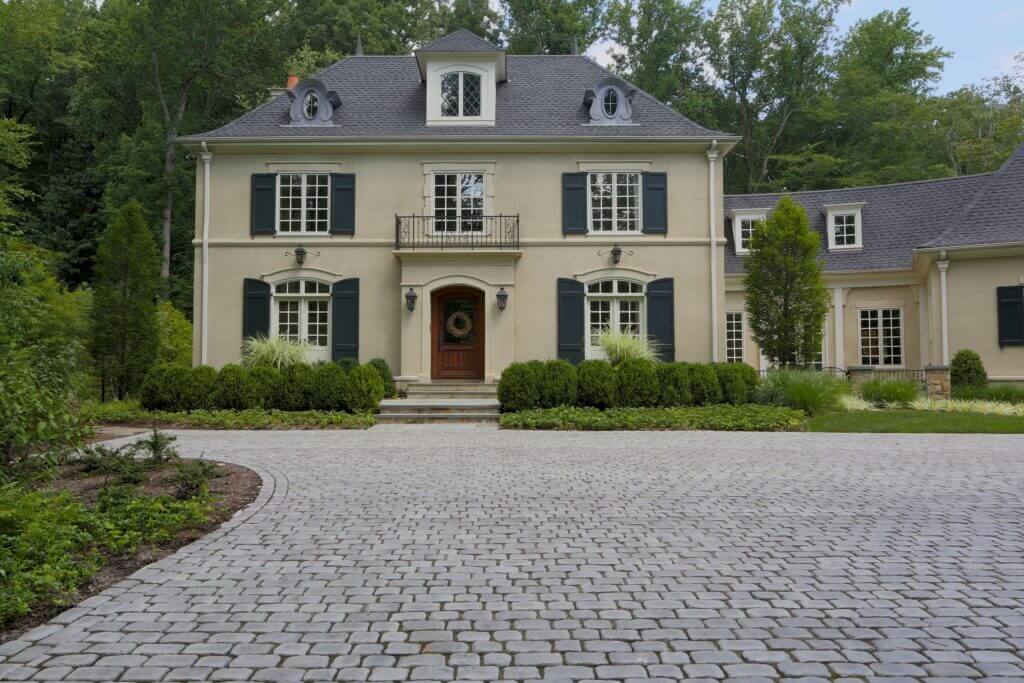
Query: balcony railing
<point>478,232</point>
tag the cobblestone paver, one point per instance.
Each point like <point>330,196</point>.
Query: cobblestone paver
<point>437,554</point>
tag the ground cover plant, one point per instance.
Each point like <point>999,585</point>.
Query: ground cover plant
<point>719,417</point>
<point>132,413</point>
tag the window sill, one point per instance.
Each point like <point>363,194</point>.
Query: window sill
<point>845,249</point>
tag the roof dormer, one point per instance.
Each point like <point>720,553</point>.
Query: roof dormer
<point>610,103</point>
<point>461,71</point>
<point>312,103</point>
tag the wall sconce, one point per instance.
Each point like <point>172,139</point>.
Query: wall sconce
<point>502,297</point>
<point>300,254</point>
<point>616,253</point>
<point>410,299</point>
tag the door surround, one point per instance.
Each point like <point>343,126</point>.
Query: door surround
<point>448,359</point>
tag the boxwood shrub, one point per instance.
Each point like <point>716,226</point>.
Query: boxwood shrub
<point>233,389</point>
<point>362,390</point>
<point>519,387</point>
<point>197,392</point>
<point>328,389</point>
<point>557,386</point>
<point>347,364</point>
<point>636,382</point>
<point>704,385</point>
<point>733,382</point>
<point>153,393</point>
<point>295,387</point>
<point>386,376</point>
<point>266,386</point>
<point>967,371</point>
<point>674,381</point>
<point>595,384</point>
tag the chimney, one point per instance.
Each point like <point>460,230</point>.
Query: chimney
<point>292,81</point>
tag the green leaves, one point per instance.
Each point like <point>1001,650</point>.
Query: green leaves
<point>720,418</point>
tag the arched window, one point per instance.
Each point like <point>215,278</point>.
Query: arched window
<point>311,105</point>
<point>611,102</point>
<point>461,94</point>
<point>302,313</point>
<point>613,306</point>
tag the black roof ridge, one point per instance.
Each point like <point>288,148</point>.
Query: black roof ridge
<point>866,187</point>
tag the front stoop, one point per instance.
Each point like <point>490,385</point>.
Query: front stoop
<point>438,410</point>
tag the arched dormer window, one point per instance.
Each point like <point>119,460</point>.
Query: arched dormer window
<point>610,103</point>
<point>461,94</point>
<point>311,105</point>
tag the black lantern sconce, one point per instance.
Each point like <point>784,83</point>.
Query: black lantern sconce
<point>300,254</point>
<point>616,253</point>
<point>502,297</point>
<point>410,299</point>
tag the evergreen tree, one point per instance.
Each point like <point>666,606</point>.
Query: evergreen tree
<point>126,287</point>
<point>786,299</point>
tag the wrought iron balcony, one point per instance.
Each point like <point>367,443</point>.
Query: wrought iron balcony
<point>456,233</point>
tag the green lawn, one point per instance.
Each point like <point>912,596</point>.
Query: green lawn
<point>915,422</point>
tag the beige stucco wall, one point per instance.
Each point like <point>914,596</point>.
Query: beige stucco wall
<point>527,183</point>
<point>971,291</point>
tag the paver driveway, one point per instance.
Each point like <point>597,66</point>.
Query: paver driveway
<point>437,553</point>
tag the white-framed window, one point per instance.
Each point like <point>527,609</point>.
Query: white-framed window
<point>302,312</point>
<point>303,202</point>
<point>881,337</point>
<point>616,306</point>
<point>458,202</point>
<point>311,105</point>
<point>615,201</point>
<point>743,223</point>
<point>461,94</point>
<point>734,337</point>
<point>844,226</point>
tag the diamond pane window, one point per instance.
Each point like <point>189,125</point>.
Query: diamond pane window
<point>461,94</point>
<point>450,94</point>
<point>471,95</point>
<point>303,202</point>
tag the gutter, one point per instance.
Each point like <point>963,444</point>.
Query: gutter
<point>446,139</point>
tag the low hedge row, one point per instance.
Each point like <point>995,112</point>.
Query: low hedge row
<point>748,418</point>
<point>326,387</point>
<point>630,384</point>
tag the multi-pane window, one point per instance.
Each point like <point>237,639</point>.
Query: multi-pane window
<point>614,202</point>
<point>881,336</point>
<point>302,314</point>
<point>613,306</point>
<point>844,229</point>
<point>458,202</point>
<point>734,337</point>
<point>461,94</point>
<point>303,204</point>
<point>746,231</point>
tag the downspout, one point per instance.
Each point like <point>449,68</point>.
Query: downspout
<point>713,248</point>
<point>207,157</point>
<point>943,265</point>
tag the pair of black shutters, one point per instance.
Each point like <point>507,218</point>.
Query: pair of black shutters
<point>654,220</point>
<point>572,325</point>
<point>1010,303</point>
<point>263,213</point>
<point>344,315</point>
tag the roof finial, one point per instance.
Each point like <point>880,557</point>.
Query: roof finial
<point>359,46</point>
<point>575,45</point>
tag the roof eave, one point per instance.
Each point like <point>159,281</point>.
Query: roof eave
<point>193,141</point>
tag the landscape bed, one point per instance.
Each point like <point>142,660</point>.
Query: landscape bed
<point>132,413</point>
<point>718,417</point>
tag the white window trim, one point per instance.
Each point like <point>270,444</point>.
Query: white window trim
<point>739,215</point>
<point>592,352</point>
<point>488,195</point>
<point>316,352</point>
<point>486,68</point>
<point>277,205</point>
<point>743,334</point>
<point>903,339</point>
<point>639,204</point>
<point>831,211</point>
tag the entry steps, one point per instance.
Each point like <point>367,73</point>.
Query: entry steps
<point>442,402</point>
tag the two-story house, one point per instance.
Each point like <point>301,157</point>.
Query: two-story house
<point>458,209</point>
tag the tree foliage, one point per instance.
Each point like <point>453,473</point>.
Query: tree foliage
<point>786,299</point>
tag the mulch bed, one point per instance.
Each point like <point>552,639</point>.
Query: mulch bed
<point>235,489</point>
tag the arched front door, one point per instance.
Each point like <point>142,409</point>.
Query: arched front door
<point>457,330</point>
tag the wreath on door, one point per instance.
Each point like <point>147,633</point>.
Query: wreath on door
<point>459,324</point>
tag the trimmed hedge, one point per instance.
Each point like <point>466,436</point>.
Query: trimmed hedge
<point>295,390</point>
<point>266,385</point>
<point>234,389</point>
<point>328,387</point>
<point>557,384</point>
<point>704,385</point>
<point>636,383</point>
<point>595,384</point>
<point>362,390</point>
<point>674,379</point>
<point>733,381</point>
<point>386,376</point>
<point>519,387</point>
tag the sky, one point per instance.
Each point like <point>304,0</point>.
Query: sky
<point>983,35</point>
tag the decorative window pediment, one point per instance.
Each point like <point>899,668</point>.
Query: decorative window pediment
<point>312,104</point>
<point>610,103</point>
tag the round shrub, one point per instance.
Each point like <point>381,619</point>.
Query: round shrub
<point>265,384</point>
<point>233,389</point>
<point>636,382</point>
<point>295,387</point>
<point>674,382</point>
<point>347,364</point>
<point>153,393</point>
<point>197,391</point>
<point>519,387</point>
<point>967,371</point>
<point>732,383</point>
<point>386,376</point>
<point>751,377</point>
<point>595,384</point>
<point>557,385</point>
<point>704,385</point>
<point>328,388</point>
<point>362,390</point>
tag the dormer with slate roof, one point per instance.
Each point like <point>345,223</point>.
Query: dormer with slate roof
<point>461,71</point>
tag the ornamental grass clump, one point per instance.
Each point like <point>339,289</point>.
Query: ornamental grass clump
<point>807,390</point>
<point>276,352</point>
<point>890,393</point>
<point>619,347</point>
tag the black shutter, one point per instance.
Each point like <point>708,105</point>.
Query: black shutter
<point>574,203</point>
<point>345,319</point>
<point>343,204</point>
<point>255,309</point>
<point>570,320</point>
<point>661,324</point>
<point>263,211</point>
<point>1010,301</point>
<point>655,206</point>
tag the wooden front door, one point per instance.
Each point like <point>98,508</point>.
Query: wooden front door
<point>458,333</point>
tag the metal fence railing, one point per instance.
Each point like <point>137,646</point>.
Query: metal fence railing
<point>457,232</point>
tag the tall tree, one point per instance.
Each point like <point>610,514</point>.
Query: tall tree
<point>786,298</point>
<point>386,27</point>
<point>445,16</point>
<point>15,152</point>
<point>126,288</point>
<point>550,26</point>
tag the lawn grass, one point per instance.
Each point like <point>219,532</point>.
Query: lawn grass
<point>915,422</point>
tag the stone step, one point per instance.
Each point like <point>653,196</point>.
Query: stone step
<point>437,394</point>
<point>436,418</point>
<point>439,405</point>
<point>454,388</point>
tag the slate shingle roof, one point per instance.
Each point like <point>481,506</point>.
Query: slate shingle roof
<point>385,97</point>
<point>896,219</point>
<point>460,41</point>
